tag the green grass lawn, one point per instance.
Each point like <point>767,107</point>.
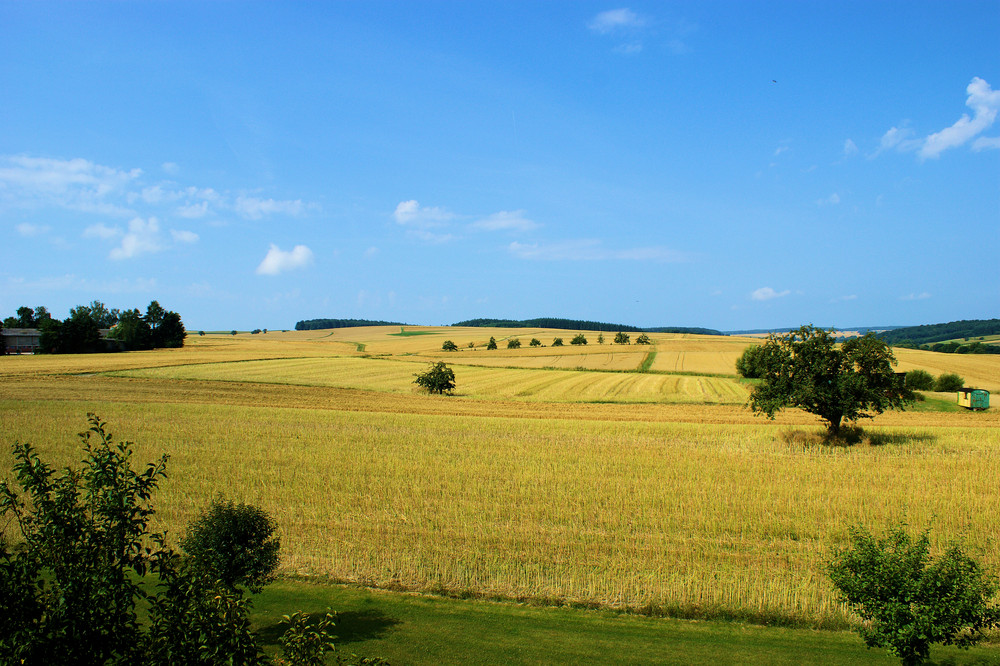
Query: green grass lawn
<point>418,629</point>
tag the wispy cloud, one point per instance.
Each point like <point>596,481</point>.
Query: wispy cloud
<point>850,148</point>
<point>83,186</point>
<point>767,294</point>
<point>514,220</point>
<point>615,20</point>
<point>831,200</point>
<point>27,229</point>
<point>278,261</point>
<point>184,236</point>
<point>842,299</point>
<point>915,297</point>
<point>413,214</point>
<point>591,250</point>
<point>254,209</point>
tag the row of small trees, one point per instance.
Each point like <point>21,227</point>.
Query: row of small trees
<point>921,380</point>
<point>579,339</point>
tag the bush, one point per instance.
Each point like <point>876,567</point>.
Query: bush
<point>492,344</point>
<point>621,338</point>
<point>949,382</point>
<point>750,364</point>
<point>438,379</point>
<point>600,338</point>
<point>234,544</point>
<point>919,380</point>
<point>535,342</point>
<point>513,343</point>
<point>908,600</point>
<point>643,339</point>
<point>449,346</point>
<point>579,339</point>
<point>557,342</point>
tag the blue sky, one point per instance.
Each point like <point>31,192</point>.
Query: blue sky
<point>722,164</point>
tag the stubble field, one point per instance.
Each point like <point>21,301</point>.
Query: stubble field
<point>599,485</point>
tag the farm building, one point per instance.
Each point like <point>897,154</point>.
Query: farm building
<point>974,398</point>
<point>20,340</point>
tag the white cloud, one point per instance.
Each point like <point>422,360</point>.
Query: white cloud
<point>590,250</point>
<point>831,200</point>
<point>142,237</point>
<point>26,229</point>
<point>171,168</point>
<point>915,297</point>
<point>767,293</point>
<point>412,213</point>
<point>505,220</point>
<point>184,236</point>
<point>279,261</point>
<point>898,138</point>
<point>986,143</point>
<point>615,19</point>
<point>371,252</point>
<point>193,211</point>
<point>841,299</point>
<point>101,230</point>
<point>254,208</point>
<point>850,148</point>
<point>984,102</point>
<point>76,184</point>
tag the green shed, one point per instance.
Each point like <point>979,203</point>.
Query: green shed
<point>974,398</point>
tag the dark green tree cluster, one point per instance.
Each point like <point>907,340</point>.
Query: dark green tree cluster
<point>86,560</point>
<point>514,343</point>
<point>27,318</point>
<point>918,336</point>
<point>621,338</point>
<point>557,342</point>
<point>921,380</point>
<point>909,600</point>
<point>449,346</point>
<point>579,339</point>
<point>158,328</point>
<point>808,370</point>
<point>750,362</point>
<point>643,339</point>
<point>492,344</point>
<point>535,342</point>
<point>320,324</point>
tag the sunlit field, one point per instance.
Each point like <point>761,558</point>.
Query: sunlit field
<point>643,490</point>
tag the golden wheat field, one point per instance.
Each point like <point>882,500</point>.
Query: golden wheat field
<point>536,480</point>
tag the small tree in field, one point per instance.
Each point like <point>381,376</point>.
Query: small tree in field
<point>600,338</point>
<point>750,362</point>
<point>806,369</point>
<point>513,343</point>
<point>535,342</point>
<point>643,339</point>
<point>579,339</point>
<point>919,380</point>
<point>449,346</point>
<point>557,342</point>
<point>621,338</point>
<point>949,382</point>
<point>907,599</point>
<point>492,344</point>
<point>234,544</point>
<point>438,379</point>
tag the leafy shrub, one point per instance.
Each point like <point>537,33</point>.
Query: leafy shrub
<point>438,379</point>
<point>908,600</point>
<point>621,338</point>
<point>492,344</point>
<point>557,342</point>
<point>949,382</point>
<point>449,346</point>
<point>919,380</point>
<point>535,342</point>
<point>579,339</point>
<point>750,364</point>
<point>513,343</point>
<point>643,339</point>
<point>235,544</point>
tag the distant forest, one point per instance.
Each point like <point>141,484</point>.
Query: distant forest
<point>318,324</point>
<point>580,325</point>
<point>932,337</point>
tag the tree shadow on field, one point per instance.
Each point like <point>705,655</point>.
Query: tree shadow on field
<point>850,436</point>
<point>349,626</point>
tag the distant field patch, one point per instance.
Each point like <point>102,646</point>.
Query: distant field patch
<point>476,382</point>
